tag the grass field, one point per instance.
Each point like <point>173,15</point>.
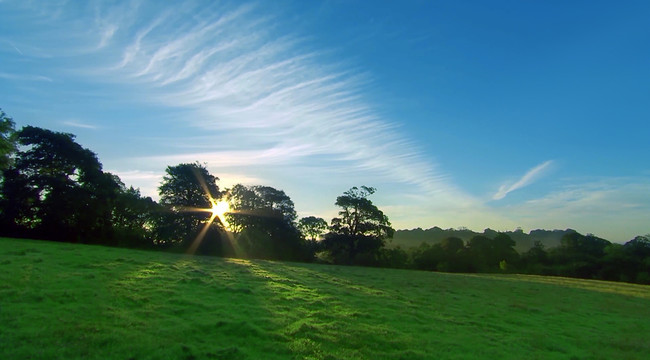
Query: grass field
<point>66,301</point>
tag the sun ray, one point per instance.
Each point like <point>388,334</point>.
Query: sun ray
<point>219,210</point>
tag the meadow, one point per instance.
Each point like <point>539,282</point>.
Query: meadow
<point>68,301</point>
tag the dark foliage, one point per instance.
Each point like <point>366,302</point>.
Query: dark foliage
<point>7,140</point>
<point>56,190</point>
<point>53,188</point>
<point>188,192</point>
<point>263,221</point>
<point>359,234</point>
<point>312,227</point>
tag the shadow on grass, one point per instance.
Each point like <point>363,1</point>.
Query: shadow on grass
<point>95,302</point>
<point>71,301</point>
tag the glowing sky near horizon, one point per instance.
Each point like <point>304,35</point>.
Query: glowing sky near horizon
<point>493,114</point>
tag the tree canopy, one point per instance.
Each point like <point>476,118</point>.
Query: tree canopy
<point>7,140</point>
<point>359,216</point>
<point>188,192</point>
<point>312,227</point>
<point>360,231</point>
<point>56,189</point>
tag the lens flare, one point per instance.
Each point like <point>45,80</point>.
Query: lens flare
<point>219,210</point>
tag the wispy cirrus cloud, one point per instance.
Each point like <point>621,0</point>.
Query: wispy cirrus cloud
<point>24,77</point>
<point>261,89</point>
<point>256,97</point>
<point>81,125</point>
<point>531,176</point>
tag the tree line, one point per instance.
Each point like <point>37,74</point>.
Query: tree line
<point>54,189</point>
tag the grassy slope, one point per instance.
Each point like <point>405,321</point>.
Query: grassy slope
<point>71,301</point>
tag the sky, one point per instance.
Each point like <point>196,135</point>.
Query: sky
<point>478,114</point>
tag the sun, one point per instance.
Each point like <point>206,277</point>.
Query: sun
<point>219,209</point>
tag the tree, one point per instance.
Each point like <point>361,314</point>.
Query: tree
<point>360,231</point>
<point>133,218</point>
<point>188,191</point>
<point>263,220</point>
<point>639,246</point>
<point>312,227</point>
<point>188,186</point>
<point>479,253</point>
<point>453,255</point>
<point>452,245</point>
<point>7,140</point>
<point>56,190</point>
<point>486,254</point>
<point>359,216</point>
<point>427,257</point>
<point>579,255</point>
<point>251,204</point>
<point>583,246</point>
<point>535,259</point>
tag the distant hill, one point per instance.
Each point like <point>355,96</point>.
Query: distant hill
<point>415,237</point>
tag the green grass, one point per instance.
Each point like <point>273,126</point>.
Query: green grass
<point>66,301</point>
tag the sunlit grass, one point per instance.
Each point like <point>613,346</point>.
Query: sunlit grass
<point>65,301</point>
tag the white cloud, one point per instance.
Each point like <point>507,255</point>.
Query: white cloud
<point>81,125</point>
<point>532,175</point>
<point>23,77</point>
<point>269,92</point>
<point>107,33</point>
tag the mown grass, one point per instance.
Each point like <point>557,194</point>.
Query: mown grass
<point>66,301</point>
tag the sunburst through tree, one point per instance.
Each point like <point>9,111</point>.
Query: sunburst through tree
<point>191,194</point>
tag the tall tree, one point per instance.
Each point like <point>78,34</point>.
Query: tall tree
<point>359,216</point>
<point>360,231</point>
<point>56,189</point>
<point>188,191</point>
<point>188,186</point>
<point>251,205</point>
<point>263,219</point>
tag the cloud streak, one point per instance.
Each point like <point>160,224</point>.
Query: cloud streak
<point>81,125</point>
<point>528,178</point>
<point>21,77</point>
<point>259,88</point>
<point>255,98</point>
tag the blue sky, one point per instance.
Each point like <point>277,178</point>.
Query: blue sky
<point>497,114</point>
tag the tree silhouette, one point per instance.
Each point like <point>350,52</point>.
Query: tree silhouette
<point>263,219</point>
<point>188,191</point>
<point>56,190</point>
<point>359,216</point>
<point>7,140</point>
<point>134,217</point>
<point>360,231</point>
<point>312,227</point>
<point>486,254</point>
